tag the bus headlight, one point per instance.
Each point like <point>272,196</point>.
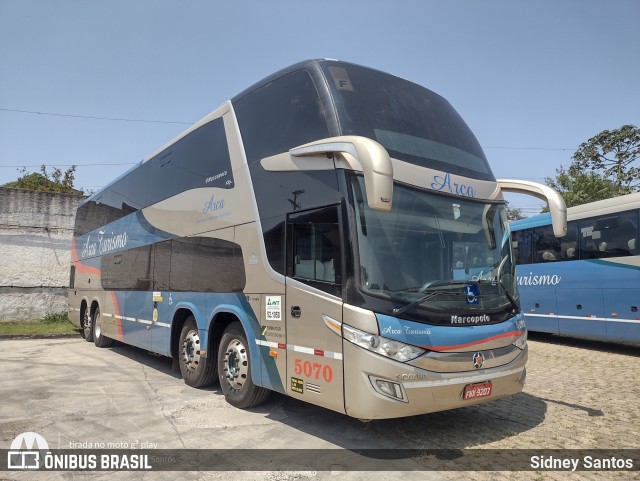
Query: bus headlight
<point>521,342</point>
<point>390,348</point>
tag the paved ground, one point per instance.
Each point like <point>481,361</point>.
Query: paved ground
<point>578,395</point>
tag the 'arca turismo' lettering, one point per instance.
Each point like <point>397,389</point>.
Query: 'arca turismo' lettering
<point>539,280</point>
<point>89,248</point>
<point>112,243</point>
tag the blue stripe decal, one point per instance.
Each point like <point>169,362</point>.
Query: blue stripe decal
<point>272,379</point>
<point>204,306</point>
<point>444,337</point>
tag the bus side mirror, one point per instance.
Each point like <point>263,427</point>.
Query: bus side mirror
<point>557,207</point>
<point>356,153</point>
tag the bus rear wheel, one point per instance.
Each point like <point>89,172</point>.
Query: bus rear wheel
<point>234,370</point>
<point>87,326</point>
<point>96,326</point>
<point>197,370</point>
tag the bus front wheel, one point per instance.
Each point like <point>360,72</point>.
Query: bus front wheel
<point>197,370</point>
<point>234,370</point>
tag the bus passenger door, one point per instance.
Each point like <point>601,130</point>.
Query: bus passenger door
<point>314,308</point>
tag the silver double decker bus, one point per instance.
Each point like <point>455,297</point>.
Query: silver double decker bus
<point>333,233</point>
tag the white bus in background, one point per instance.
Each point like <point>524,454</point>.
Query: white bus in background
<point>586,284</point>
<point>332,233</point>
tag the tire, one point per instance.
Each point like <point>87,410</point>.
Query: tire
<point>234,370</point>
<point>197,371</point>
<point>99,339</point>
<point>87,326</point>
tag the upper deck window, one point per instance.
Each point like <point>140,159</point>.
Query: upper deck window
<point>414,124</point>
<point>281,115</point>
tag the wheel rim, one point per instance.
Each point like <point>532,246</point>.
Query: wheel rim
<point>96,322</point>
<point>191,350</point>
<point>87,324</point>
<point>236,364</point>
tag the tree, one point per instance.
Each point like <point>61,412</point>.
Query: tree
<point>56,181</point>
<point>612,154</point>
<point>513,213</point>
<point>579,187</point>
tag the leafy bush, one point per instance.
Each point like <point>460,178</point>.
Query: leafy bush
<point>55,317</point>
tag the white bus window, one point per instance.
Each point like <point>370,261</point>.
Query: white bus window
<point>546,246</point>
<point>521,243</point>
<point>612,235</point>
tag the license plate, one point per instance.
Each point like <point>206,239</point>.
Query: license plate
<point>474,391</point>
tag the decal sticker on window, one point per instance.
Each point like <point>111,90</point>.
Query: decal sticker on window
<point>341,78</point>
<point>472,294</point>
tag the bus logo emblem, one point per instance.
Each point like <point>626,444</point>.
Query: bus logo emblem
<point>478,360</point>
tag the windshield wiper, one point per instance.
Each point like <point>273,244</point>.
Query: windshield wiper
<point>399,310</point>
<point>426,297</point>
<point>506,292</point>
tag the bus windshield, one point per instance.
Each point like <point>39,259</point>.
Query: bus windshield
<point>414,124</point>
<point>454,252</point>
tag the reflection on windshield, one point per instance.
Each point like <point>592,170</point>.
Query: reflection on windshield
<point>414,124</point>
<point>431,243</point>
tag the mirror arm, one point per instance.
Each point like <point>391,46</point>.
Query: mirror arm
<point>557,207</point>
<point>374,158</point>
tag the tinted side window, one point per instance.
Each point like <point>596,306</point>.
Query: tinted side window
<point>129,270</point>
<point>549,248</point>
<point>202,264</point>
<point>121,198</point>
<point>196,264</point>
<point>281,115</point>
<point>162,266</point>
<point>96,213</point>
<point>316,248</point>
<point>546,246</point>
<point>569,244</point>
<point>521,243</point>
<point>315,253</point>
<point>274,242</point>
<point>611,235</point>
<point>201,159</point>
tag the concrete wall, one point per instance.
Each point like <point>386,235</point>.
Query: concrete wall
<point>35,252</point>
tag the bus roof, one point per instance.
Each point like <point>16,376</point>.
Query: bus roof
<point>601,207</point>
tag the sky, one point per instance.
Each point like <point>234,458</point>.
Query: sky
<point>533,80</point>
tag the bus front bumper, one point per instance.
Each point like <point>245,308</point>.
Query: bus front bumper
<point>378,388</point>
